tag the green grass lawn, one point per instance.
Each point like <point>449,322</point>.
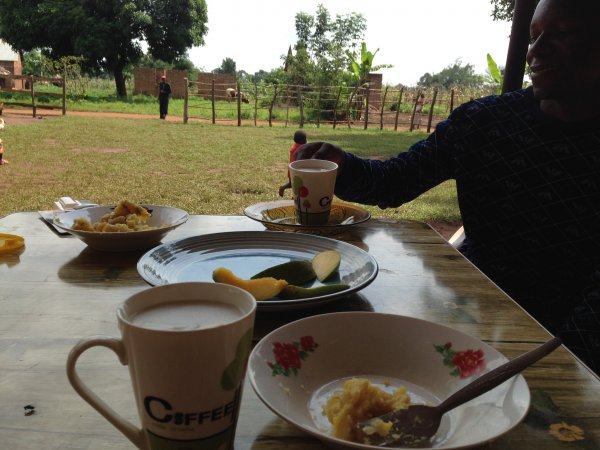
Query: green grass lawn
<point>202,168</point>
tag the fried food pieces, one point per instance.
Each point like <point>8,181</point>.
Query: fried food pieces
<point>127,216</point>
<point>358,401</point>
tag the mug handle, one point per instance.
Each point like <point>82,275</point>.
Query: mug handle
<point>134,434</point>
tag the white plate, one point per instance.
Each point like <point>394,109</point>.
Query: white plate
<point>247,253</point>
<point>280,215</point>
<point>117,242</point>
<point>384,348</point>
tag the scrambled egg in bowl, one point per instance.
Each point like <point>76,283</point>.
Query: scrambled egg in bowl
<point>127,216</point>
<point>360,400</point>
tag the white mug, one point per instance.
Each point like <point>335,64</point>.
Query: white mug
<point>187,346</point>
<point>313,182</point>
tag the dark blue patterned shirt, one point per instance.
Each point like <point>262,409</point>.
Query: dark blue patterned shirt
<point>529,195</point>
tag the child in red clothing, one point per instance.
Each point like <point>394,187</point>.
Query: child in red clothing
<point>2,160</point>
<point>299,140</point>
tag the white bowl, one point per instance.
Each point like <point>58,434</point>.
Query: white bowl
<point>131,240</point>
<point>391,351</point>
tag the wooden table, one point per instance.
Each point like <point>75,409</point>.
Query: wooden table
<point>58,291</point>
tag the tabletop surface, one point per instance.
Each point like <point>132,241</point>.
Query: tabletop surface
<point>57,291</point>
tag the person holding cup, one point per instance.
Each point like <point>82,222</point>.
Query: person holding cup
<point>187,346</point>
<point>526,166</point>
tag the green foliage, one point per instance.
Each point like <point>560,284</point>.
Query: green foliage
<point>322,46</point>
<point>106,34</point>
<point>495,73</point>
<point>453,75</point>
<point>503,9</point>
<point>227,66</point>
<point>33,63</point>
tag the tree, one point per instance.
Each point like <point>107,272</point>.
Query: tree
<point>453,75</point>
<point>182,63</point>
<point>227,66</point>
<point>106,33</point>
<point>322,44</point>
<point>503,9</point>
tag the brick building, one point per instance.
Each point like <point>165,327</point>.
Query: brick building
<point>146,80</point>
<point>10,64</point>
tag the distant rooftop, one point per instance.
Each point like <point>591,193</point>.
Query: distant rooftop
<point>7,53</point>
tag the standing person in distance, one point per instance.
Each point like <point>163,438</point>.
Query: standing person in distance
<point>164,92</point>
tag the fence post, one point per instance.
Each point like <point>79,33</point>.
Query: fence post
<point>33,107</point>
<point>382,108</point>
<point>255,102</point>
<point>452,100</point>
<point>319,107</point>
<point>212,101</point>
<point>185,101</point>
<point>301,106</point>
<point>435,92</point>
<point>398,108</point>
<point>239,104</point>
<point>368,90</point>
<point>414,111</point>
<point>287,104</point>
<point>335,107</point>
<point>64,94</point>
<point>348,106</point>
<point>271,107</point>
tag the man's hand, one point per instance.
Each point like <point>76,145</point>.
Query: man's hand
<point>321,150</point>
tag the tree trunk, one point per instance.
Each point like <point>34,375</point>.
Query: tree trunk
<point>120,80</point>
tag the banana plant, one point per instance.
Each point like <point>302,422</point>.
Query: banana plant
<point>495,73</point>
<point>360,68</point>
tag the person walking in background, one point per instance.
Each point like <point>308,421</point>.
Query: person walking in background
<point>299,140</point>
<point>164,91</point>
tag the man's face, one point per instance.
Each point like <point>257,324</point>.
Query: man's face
<point>564,53</point>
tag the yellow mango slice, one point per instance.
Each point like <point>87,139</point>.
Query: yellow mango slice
<point>10,242</point>
<point>260,288</point>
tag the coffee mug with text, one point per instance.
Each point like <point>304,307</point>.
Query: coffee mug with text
<point>187,346</point>
<point>313,182</point>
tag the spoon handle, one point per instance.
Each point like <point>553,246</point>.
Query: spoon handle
<point>498,375</point>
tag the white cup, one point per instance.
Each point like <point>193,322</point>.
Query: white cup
<point>313,182</point>
<point>187,346</point>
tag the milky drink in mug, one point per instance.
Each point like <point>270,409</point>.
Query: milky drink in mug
<point>313,182</point>
<point>186,345</point>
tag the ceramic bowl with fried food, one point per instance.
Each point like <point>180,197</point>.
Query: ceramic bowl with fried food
<point>161,221</point>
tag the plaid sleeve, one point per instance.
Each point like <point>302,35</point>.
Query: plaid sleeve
<point>400,179</point>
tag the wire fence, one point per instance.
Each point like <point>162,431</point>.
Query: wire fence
<point>398,108</point>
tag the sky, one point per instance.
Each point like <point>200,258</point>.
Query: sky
<point>415,36</point>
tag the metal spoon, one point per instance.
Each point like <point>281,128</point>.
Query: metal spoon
<point>414,426</point>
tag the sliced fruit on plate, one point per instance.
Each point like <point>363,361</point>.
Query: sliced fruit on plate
<point>294,272</point>
<point>10,242</point>
<point>260,288</point>
<point>326,263</point>
<point>295,292</point>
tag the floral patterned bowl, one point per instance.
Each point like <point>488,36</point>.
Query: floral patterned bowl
<point>295,369</point>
